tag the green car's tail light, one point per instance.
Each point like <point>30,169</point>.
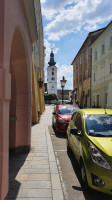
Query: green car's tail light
<point>97,157</point>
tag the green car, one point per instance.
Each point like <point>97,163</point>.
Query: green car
<point>89,135</point>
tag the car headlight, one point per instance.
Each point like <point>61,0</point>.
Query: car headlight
<point>60,119</point>
<point>97,157</point>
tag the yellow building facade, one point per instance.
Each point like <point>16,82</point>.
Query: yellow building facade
<point>38,105</point>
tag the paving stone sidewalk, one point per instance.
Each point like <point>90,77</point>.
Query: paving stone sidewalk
<point>35,176</point>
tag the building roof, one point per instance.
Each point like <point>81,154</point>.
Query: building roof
<point>102,32</point>
<point>93,36</point>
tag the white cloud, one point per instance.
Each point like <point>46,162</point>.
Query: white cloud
<point>85,13</point>
<point>42,1</point>
<point>51,7</point>
<point>67,72</point>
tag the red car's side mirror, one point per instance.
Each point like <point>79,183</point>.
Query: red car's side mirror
<point>54,113</point>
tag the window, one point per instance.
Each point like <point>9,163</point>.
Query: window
<point>90,52</point>
<point>52,73</point>
<point>52,78</point>
<point>78,122</point>
<point>73,116</point>
<point>52,86</point>
<point>111,68</point>
<point>67,110</point>
<point>102,49</point>
<point>94,76</point>
<point>95,55</point>
<point>99,125</point>
<point>111,41</point>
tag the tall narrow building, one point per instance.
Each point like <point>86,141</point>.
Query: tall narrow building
<point>52,75</point>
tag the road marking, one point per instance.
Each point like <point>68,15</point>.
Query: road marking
<point>61,178</point>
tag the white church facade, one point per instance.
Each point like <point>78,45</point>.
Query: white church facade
<point>52,75</point>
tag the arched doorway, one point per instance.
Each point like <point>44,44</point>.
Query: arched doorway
<point>20,108</point>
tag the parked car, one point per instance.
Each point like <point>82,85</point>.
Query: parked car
<point>89,135</point>
<point>61,116</point>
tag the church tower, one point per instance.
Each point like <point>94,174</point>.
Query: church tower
<point>52,75</point>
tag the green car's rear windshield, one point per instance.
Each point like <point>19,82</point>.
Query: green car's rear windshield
<point>99,125</point>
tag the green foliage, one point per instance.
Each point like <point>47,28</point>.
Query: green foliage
<point>50,97</point>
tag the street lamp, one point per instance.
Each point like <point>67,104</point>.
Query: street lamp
<point>63,82</point>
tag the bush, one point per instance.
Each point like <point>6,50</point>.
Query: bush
<point>50,97</point>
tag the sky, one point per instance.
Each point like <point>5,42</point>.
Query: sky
<point>66,24</point>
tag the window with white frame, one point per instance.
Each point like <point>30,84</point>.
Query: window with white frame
<point>95,55</point>
<point>111,68</point>
<point>102,49</point>
<point>94,76</point>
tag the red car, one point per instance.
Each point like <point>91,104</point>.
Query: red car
<point>61,116</point>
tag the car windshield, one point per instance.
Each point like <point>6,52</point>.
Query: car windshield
<point>99,125</point>
<point>67,110</point>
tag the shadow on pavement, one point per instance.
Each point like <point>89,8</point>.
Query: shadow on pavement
<point>57,134</point>
<point>89,194</point>
<point>60,135</point>
<point>15,164</point>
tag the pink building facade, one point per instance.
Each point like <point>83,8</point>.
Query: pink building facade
<point>16,38</point>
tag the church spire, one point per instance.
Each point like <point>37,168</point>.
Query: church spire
<point>51,62</point>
